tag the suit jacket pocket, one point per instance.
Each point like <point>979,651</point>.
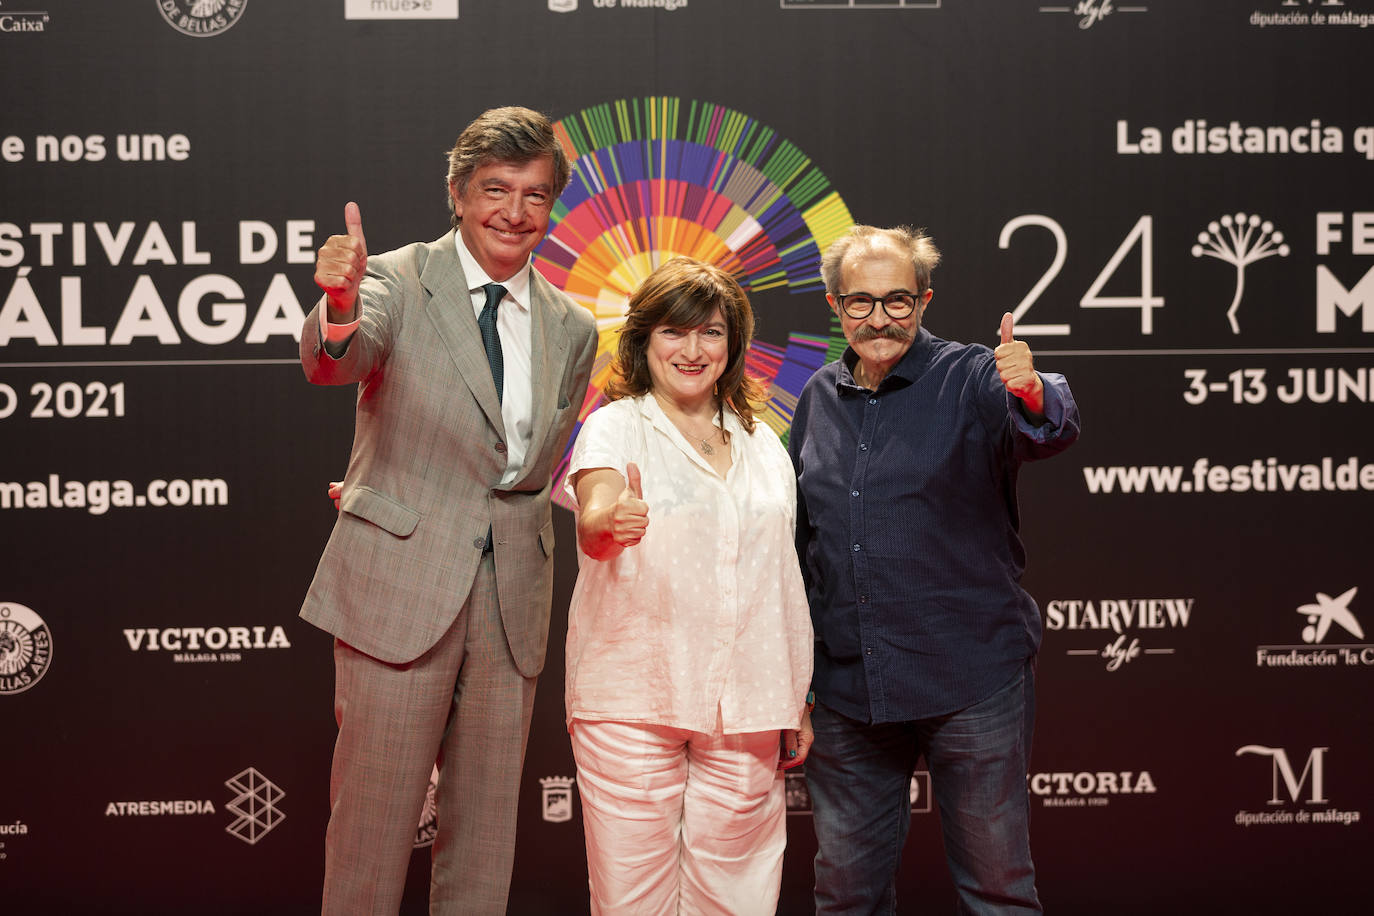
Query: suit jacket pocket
<point>381,510</point>
<point>546,538</point>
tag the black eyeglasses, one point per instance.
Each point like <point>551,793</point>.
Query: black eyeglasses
<point>898,304</point>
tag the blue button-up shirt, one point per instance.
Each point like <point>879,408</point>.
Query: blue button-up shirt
<point>908,528</point>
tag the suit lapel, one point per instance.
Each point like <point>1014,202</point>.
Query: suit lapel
<point>450,310</point>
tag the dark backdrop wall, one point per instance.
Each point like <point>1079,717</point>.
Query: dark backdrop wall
<point>1174,197</point>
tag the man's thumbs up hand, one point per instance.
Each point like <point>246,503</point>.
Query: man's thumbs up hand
<point>340,265</point>
<point>1017,368</point>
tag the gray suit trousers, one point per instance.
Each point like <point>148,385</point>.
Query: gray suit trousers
<point>462,703</point>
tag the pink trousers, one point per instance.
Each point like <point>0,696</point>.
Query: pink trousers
<point>680,822</point>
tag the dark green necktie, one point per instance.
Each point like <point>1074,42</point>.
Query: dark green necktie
<point>491,342</point>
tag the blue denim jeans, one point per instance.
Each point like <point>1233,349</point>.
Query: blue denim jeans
<point>859,778</point>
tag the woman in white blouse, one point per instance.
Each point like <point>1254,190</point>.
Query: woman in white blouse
<point>689,639</point>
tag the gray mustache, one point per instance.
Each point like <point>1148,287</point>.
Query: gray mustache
<point>889,332</point>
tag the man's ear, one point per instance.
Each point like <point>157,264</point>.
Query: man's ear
<point>456,198</point>
<point>834,306</point>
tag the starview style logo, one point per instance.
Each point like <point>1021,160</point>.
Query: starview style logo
<point>1327,618</point>
<point>1121,625</point>
<point>1089,13</point>
<point>1294,797</point>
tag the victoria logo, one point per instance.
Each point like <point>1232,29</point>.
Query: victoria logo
<point>202,18</point>
<point>205,644</point>
<point>1088,789</point>
<point>25,648</point>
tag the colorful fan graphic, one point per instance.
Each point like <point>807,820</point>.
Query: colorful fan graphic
<point>658,177</point>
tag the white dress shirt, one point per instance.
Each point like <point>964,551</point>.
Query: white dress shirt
<point>704,624</point>
<point>515,328</point>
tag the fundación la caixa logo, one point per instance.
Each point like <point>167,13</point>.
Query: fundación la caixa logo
<point>1330,624</point>
<point>28,20</point>
<point>1295,797</point>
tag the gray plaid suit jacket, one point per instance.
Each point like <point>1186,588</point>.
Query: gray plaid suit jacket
<point>423,480</point>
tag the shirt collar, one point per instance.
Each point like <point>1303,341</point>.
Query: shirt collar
<point>650,409</point>
<point>908,369</point>
<point>517,286</point>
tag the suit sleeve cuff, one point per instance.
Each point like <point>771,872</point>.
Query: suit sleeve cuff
<point>336,336</point>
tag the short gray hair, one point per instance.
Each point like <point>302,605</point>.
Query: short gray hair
<point>863,239</point>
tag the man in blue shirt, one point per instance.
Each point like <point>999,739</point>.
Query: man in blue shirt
<point>907,450</point>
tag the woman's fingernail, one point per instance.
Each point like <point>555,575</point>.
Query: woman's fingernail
<point>792,752</point>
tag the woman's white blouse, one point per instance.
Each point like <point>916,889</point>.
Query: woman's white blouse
<point>704,624</point>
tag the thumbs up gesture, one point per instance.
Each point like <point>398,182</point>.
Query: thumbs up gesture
<point>340,265</point>
<point>630,515</point>
<point>1017,369</point>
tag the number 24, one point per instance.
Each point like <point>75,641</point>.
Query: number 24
<point>1147,301</point>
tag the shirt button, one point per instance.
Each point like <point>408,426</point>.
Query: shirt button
<point>853,492</point>
<point>501,447</point>
<point>855,548</point>
<point>863,446</point>
<point>479,543</point>
<point>872,400</point>
<point>863,599</point>
<point>868,651</point>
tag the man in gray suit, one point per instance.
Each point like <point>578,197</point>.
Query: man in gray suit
<point>437,579</point>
